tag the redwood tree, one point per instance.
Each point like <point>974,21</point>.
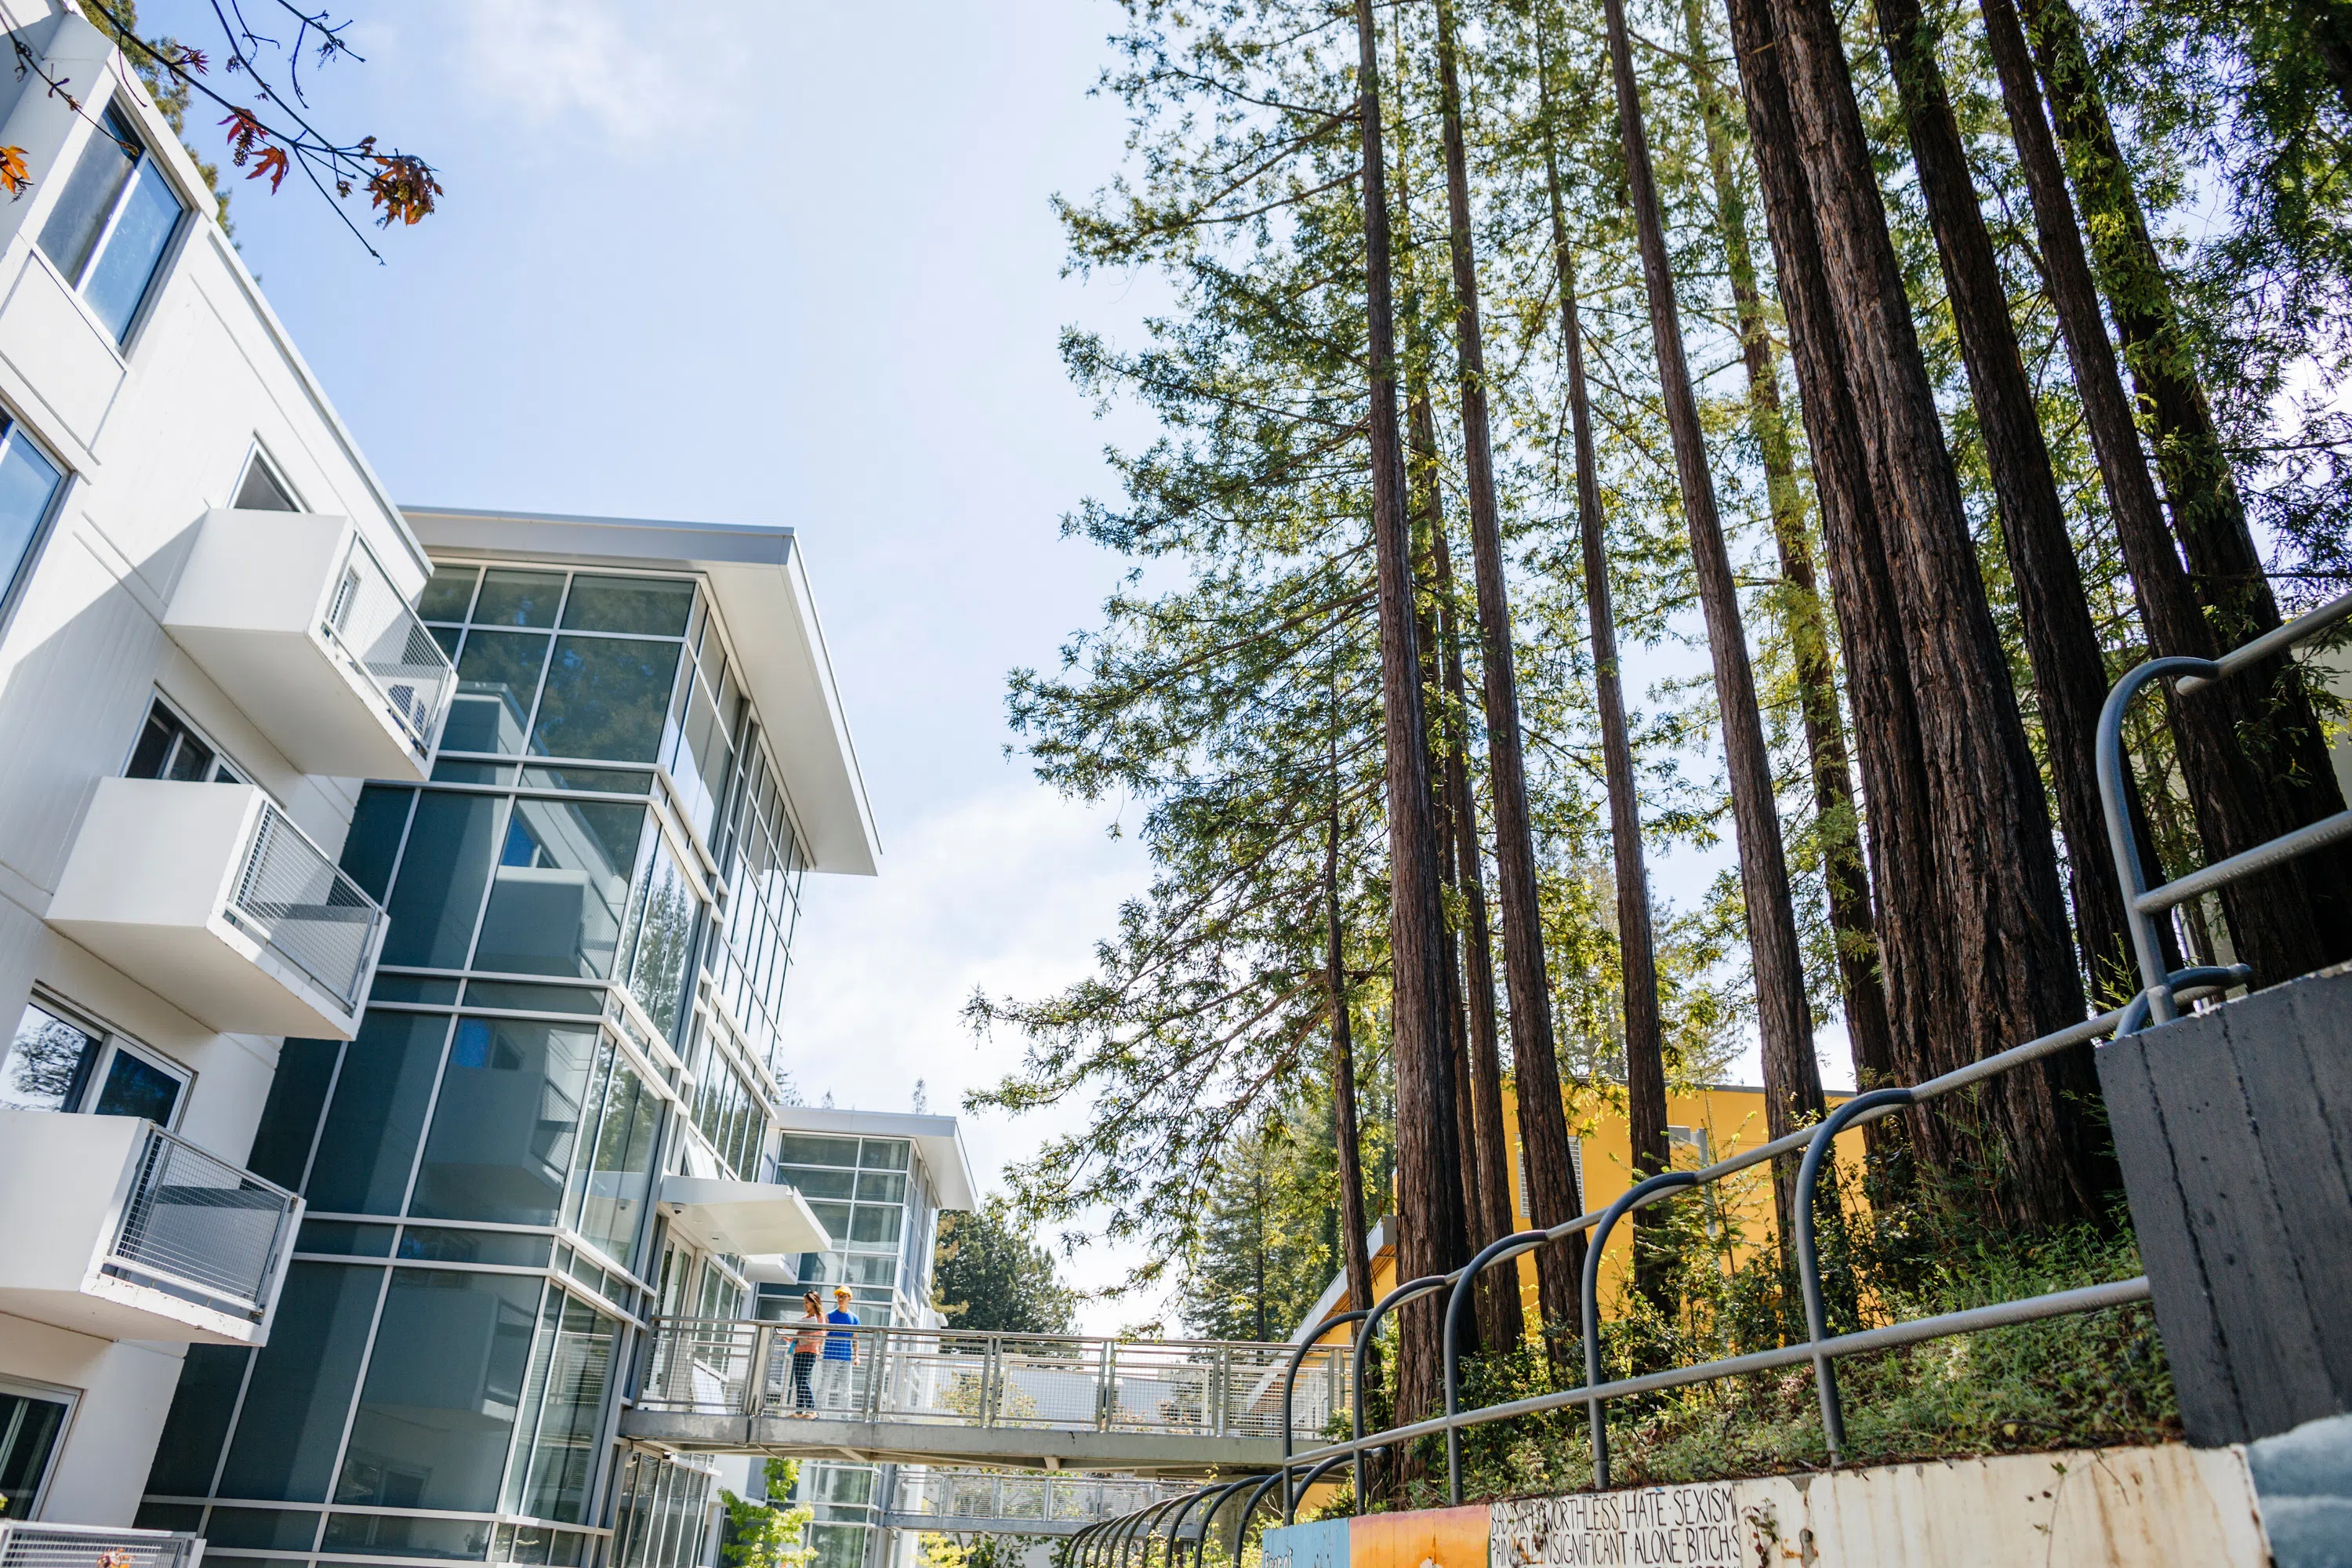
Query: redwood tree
<point>1429,1200</point>
<point>1793,1084</point>
<point>1996,868</point>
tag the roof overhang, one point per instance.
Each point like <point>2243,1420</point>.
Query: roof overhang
<point>749,1219</point>
<point>762,588</point>
<point>935,1138</point>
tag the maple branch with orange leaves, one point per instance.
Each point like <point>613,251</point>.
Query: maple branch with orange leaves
<point>401,186</point>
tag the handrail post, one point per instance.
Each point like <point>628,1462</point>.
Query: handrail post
<point>991,1377</point>
<point>1249,1508</point>
<point>755,1377</point>
<point>1463,1286</point>
<point>1662,1182</point>
<point>1809,1257</point>
<point>1106,1365</point>
<point>1289,1388</point>
<point>1401,1293</point>
<point>2109,757</point>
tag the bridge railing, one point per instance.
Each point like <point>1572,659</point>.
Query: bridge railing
<point>1211,1388</point>
<point>947,1500</point>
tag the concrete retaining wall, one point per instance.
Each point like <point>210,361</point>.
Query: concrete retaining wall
<point>2114,1508</point>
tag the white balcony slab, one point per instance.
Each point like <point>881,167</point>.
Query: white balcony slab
<point>206,894</point>
<point>752,1219</point>
<point>120,1230</point>
<point>290,615</point>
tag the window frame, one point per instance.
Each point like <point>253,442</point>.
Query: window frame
<point>238,773</point>
<point>55,1393</point>
<point>112,1043</point>
<point>257,457</point>
<point>37,543</point>
<point>126,105</point>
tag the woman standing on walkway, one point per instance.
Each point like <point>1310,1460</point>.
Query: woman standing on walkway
<point>806,1341</point>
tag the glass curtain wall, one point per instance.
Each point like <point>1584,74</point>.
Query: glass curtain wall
<point>865,1191</point>
<point>480,1162</point>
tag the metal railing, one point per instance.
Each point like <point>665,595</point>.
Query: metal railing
<point>28,1544</point>
<point>2158,1002</point>
<point>956,1377</point>
<point>948,1499</point>
<point>203,1229</point>
<point>291,898</point>
<point>378,633</point>
<point>2143,904</point>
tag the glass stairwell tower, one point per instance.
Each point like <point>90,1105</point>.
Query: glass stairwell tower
<point>591,904</point>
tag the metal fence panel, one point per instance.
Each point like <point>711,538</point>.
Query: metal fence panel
<point>203,1225</point>
<point>294,899</point>
<point>31,1545</point>
<point>376,630</point>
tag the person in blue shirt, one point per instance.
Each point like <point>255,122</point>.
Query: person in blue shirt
<point>840,1350</point>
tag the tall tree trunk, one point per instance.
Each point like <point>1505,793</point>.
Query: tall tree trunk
<point>1501,1324</point>
<point>2069,676</point>
<point>1645,1070</point>
<point>1996,866</point>
<point>1428,513</point>
<point>2289,752</point>
<point>1916,963</point>
<point>1430,1213</point>
<point>1793,1079</point>
<point>1844,877</point>
<point>1543,1116</point>
<point>2272,915</point>
<point>1433,623</point>
<point>1355,1249</point>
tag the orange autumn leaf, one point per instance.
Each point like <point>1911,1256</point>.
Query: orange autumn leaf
<point>272,163</point>
<point>13,173</point>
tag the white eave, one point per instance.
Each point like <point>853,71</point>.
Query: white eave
<point>936,1139</point>
<point>756,574</point>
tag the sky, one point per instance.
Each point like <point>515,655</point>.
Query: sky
<point>790,263</point>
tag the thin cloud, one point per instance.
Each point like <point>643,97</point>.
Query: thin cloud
<point>629,75</point>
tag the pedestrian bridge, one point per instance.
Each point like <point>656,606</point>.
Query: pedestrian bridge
<point>946,1397</point>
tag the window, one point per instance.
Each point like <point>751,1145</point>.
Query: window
<point>170,748</point>
<point>1575,1165</point>
<point>57,1062</point>
<point>1690,1143</point>
<point>29,478</point>
<point>261,489</point>
<point>437,1412</point>
<point>507,1120</point>
<point>32,1419</point>
<point>112,224</point>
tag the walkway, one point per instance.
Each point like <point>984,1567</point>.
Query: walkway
<point>950,1396</point>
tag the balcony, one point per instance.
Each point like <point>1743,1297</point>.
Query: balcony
<point>751,1219</point>
<point>292,615</point>
<point>121,1229</point>
<point>206,894</point>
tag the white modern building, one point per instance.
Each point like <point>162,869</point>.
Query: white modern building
<point>394,909</point>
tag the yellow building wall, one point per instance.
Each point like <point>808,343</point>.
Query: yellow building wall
<point>1708,1123</point>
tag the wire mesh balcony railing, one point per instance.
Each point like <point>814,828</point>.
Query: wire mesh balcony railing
<point>950,1499</point>
<point>379,633</point>
<point>292,898</point>
<point>945,1376</point>
<point>203,1229</point>
<point>25,1544</point>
